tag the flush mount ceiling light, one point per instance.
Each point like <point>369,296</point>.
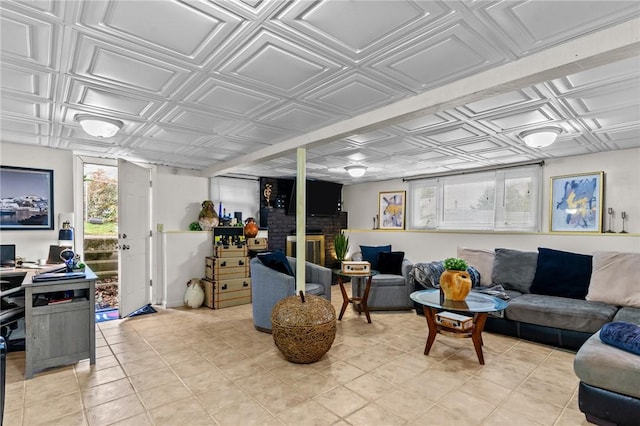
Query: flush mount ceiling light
<point>98,126</point>
<point>540,138</point>
<point>356,170</point>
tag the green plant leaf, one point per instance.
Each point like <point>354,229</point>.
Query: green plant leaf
<point>455,264</point>
<point>341,246</point>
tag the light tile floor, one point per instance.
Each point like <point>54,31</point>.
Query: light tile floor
<point>211,367</point>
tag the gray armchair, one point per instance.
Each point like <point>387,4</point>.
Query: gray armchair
<point>388,292</point>
<point>270,286</point>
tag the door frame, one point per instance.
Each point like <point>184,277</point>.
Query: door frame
<point>78,209</point>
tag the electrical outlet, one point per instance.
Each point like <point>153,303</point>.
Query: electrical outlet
<point>160,227</point>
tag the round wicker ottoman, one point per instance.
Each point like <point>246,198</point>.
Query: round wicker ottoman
<point>303,327</point>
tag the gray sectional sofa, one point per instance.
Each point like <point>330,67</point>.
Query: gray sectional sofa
<point>553,296</point>
<point>564,299</point>
<point>580,294</point>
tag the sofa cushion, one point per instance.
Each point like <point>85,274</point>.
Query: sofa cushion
<point>606,367</point>
<point>314,288</point>
<point>386,280</point>
<point>560,312</point>
<point>276,260</point>
<point>482,260</point>
<point>622,335</point>
<point>514,269</point>
<point>615,278</point>
<point>627,314</point>
<point>561,273</point>
<point>370,254</point>
<point>390,262</point>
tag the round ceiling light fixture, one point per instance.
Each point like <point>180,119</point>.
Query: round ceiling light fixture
<point>99,127</point>
<point>356,170</point>
<point>540,138</point>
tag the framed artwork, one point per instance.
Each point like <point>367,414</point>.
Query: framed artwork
<point>26,198</point>
<point>391,208</point>
<point>576,203</point>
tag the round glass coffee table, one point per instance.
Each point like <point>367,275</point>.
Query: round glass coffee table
<point>360,303</point>
<point>477,304</point>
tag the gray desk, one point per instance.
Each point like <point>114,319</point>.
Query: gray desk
<point>59,334</point>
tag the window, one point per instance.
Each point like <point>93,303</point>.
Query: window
<point>507,200</point>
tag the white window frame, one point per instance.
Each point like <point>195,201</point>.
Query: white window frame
<point>530,220</point>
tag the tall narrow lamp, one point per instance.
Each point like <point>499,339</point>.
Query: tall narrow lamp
<point>65,236</point>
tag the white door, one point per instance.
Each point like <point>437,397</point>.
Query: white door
<point>133,237</point>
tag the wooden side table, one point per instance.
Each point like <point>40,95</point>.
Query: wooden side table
<point>359,302</point>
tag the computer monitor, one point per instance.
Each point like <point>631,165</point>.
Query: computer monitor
<point>7,255</point>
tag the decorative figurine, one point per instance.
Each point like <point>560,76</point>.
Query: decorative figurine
<point>208,218</point>
<point>267,194</point>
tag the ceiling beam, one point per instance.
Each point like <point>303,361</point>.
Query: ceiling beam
<point>592,50</point>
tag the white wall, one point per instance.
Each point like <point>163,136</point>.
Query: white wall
<point>621,192</point>
<point>177,197</point>
<point>34,244</point>
<point>183,258</point>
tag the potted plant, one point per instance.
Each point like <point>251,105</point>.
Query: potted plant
<point>455,281</point>
<point>341,246</point>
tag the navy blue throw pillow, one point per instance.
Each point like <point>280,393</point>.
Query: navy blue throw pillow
<point>276,260</point>
<point>390,262</point>
<point>370,254</point>
<point>622,335</point>
<point>561,273</point>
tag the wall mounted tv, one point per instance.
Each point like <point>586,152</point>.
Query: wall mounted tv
<point>323,198</point>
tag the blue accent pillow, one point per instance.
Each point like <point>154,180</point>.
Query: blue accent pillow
<point>276,260</point>
<point>622,335</point>
<point>474,275</point>
<point>561,273</point>
<point>370,254</point>
<point>390,262</point>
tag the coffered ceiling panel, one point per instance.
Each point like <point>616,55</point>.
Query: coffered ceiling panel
<point>495,104</point>
<point>19,126</point>
<point>109,100</point>
<point>531,25</point>
<point>24,81</point>
<point>28,39</point>
<point>196,120</point>
<point>119,66</point>
<point>448,54</point>
<point>273,63</point>
<point>216,95</point>
<point>296,116</point>
<point>190,31</point>
<point>220,86</point>
<point>25,108</point>
<point>359,29</point>
<point>353,94</point>
<point>543,114</point>
<point>174,135</point>
<point>605,98</point>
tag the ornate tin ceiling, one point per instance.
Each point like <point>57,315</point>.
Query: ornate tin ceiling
<point>235,86</point>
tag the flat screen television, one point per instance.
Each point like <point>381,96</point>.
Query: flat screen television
<point>323,198</point>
